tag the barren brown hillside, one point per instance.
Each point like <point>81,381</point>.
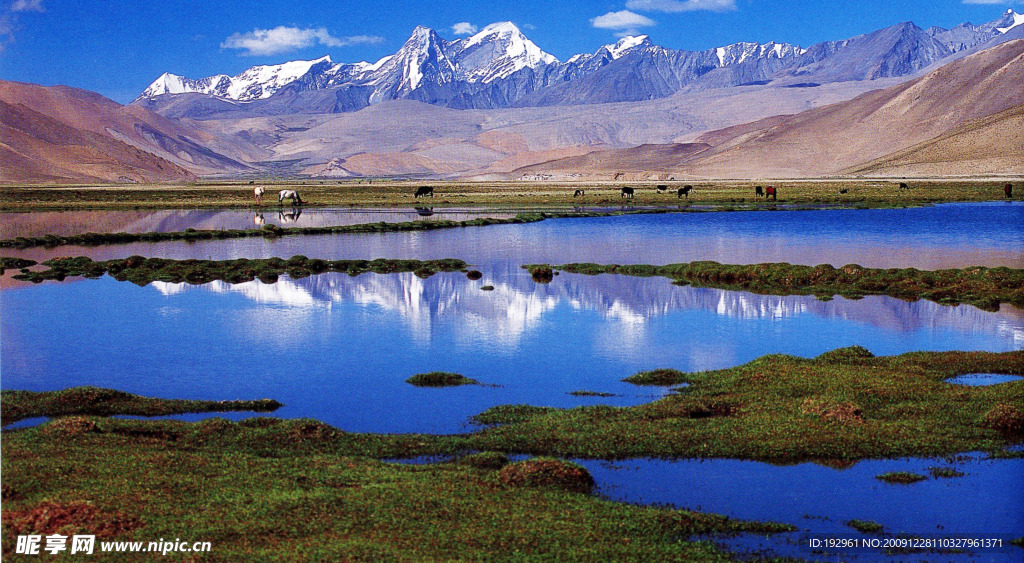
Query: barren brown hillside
<point>982,146</point>
<point>833,138</point>
<point>59,133</point>
<point>844,137</point>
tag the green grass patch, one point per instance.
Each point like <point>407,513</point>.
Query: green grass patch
<point>945,472</point>
<point>141,271</point>
<point>95,401</point>
<point>585,393</point>
<point>865,526</point>
<point>440,379</point>
<point>844,405</point>
<point>900,477</point>
<point>982,287</point>
<point>663,377</point>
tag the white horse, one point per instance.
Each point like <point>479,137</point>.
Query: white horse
<point>289,194</point>
<point>258,192</point>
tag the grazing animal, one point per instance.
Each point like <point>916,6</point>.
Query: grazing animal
<point>289,194</point>
<point>626,193</point>
<point>771,192</point>
<point>1008,190</point>
<point>579,193</point>
<point>844,191</point>
<point>258,192</point>
<point>661,188</point>
<point>684,191</point>
<point>758,191</point>
<point>251,182</point>
<point>424,191</point>
<point>904,186</point>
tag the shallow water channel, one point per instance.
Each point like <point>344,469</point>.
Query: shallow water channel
<point>339,348</point>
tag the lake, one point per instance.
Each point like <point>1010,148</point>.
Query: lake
<point>339,348</point>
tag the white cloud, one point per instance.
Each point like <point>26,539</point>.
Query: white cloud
<point>675,6</point>
<point>623,23</point>
<point>464,28</point>
<point>283,39</point>
<point>27,6</point>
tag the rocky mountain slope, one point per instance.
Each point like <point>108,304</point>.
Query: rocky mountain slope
<point>499,67</point>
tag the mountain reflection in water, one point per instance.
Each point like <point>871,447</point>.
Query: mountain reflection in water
<point>517,303</point>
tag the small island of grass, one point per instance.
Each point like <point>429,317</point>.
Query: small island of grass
<point>900,477</point>
<point>440,379</point>
<point>864,526</point>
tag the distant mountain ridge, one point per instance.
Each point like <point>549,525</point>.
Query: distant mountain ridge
<point>500,67</point>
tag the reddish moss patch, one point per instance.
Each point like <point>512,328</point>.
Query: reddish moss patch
<point>70,426</point>
<point>546,472</point>
<point>839,412</point>
<point>312,430</point>
<point>1005,418</point>
<point>69,518</point>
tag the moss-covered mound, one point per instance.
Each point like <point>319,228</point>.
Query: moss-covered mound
<point>546,472</point>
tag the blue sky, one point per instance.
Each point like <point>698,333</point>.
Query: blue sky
<point>117,47</point>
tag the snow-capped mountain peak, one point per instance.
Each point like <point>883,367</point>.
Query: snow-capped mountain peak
<point>1009,21</point>
<point>626,44</point>
<point>497,51</point>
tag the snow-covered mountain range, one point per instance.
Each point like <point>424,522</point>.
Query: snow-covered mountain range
<point>501,67</point>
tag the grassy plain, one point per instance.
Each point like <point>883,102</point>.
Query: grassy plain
<point>399,193</point>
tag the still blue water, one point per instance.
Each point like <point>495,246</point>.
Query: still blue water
<point>339,348</point>
<point>940,236</point>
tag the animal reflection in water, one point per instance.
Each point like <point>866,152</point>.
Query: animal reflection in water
<point>258,219</point>
<point>258,192</point>
<point>289,216</point>
<point>424,211</point>
<point>289,194</point>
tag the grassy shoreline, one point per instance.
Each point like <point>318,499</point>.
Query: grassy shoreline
<point>982,287</point>
<point>135,484</point>
<point>142,271</point>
